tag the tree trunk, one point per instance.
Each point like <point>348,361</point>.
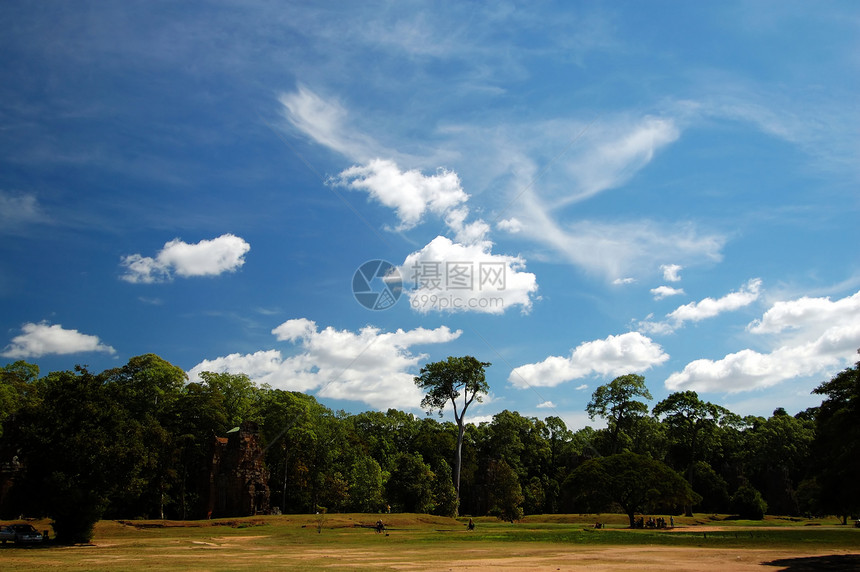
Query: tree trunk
<point>458,458</point>
<point>688,507</point>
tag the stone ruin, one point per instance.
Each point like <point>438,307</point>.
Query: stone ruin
<point>237,480</point>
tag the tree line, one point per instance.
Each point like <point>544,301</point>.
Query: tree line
<point>131,442</point>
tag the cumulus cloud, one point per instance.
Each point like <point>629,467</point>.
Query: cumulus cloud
<point>412,194</point>
<point>709,307</point>
<point>450,277</point>
<point>704,309</point>
<point>512,225</point>
<point>809,336</point>
<point>623,281</point>
<point>670,272</point>
<point>225,253</point>
<point>614,355</point>
<point>370,365</point>
<point>546,405</point>
<point>476,420</point>
<point>43,339</point>
<point>409,193</point>
<point>661,292</point>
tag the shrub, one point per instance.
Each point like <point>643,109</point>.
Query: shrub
<point>748,503</point>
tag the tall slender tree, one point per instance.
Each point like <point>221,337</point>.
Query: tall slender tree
<point>460,380</point>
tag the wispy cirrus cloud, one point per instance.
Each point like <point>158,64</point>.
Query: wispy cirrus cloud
<point>225,253</point>
<point>326,121</point>
<point>19,212</point>
<point>613,153</point>
<point>615,250</point>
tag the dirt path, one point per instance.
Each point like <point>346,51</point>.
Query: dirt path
<point>592,559</point>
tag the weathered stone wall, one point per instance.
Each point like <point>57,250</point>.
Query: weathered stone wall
<point>237,480</point>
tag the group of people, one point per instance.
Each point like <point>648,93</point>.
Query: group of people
<point>652,522</point>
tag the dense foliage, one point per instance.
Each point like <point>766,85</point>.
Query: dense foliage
<point>132,442</point>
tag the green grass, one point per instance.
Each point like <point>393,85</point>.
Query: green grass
<point>293,542</point>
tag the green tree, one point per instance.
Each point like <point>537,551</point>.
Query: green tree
<point>837,443</point>
<point>777,456</point>
<point>616,403</point>
<point>80,447</point>
<point>505,493</point>
<point>712,487</point>
<point>634,482</point>
<point>460,380</point>
<point>445,501</point>
<point>748,503</point>
<point>148,387</point>
<point>519,441</point>
<point>241,397</point>
<point>366,485</point>
<point>410,485</point>
<point>17,385</point>
<point>691,424</point>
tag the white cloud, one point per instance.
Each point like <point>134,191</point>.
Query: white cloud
<point>811,336</point>
<point>617,249</point>
<point>512,225</point>
<point>369,366</point>
<point>324,121</point>
<point>708,307</point>
<point>670,272</point>
<point>206,258</point>
<point>623,281</point>
<point>296,329</point>
<point>466,232</point>
<point>614,355</point>
<point>582,387</point>
<point>546,405</point>
<point>42,339</point>
<point>607,155</point>
<point>18,212</point>
<point>615,153</point>
<point>478,419</point>
<point>453,277</point>
<point>805,314</point>
<point>409,193</point>
<point>661,292</point>
<point>703,309</point>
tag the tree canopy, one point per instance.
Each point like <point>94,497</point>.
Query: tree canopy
<point>132,442</point>
<point>636,483</point>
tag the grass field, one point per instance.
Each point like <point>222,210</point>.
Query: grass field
<point>422,542</point>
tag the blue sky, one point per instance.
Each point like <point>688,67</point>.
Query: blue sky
<point>571,191</point>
